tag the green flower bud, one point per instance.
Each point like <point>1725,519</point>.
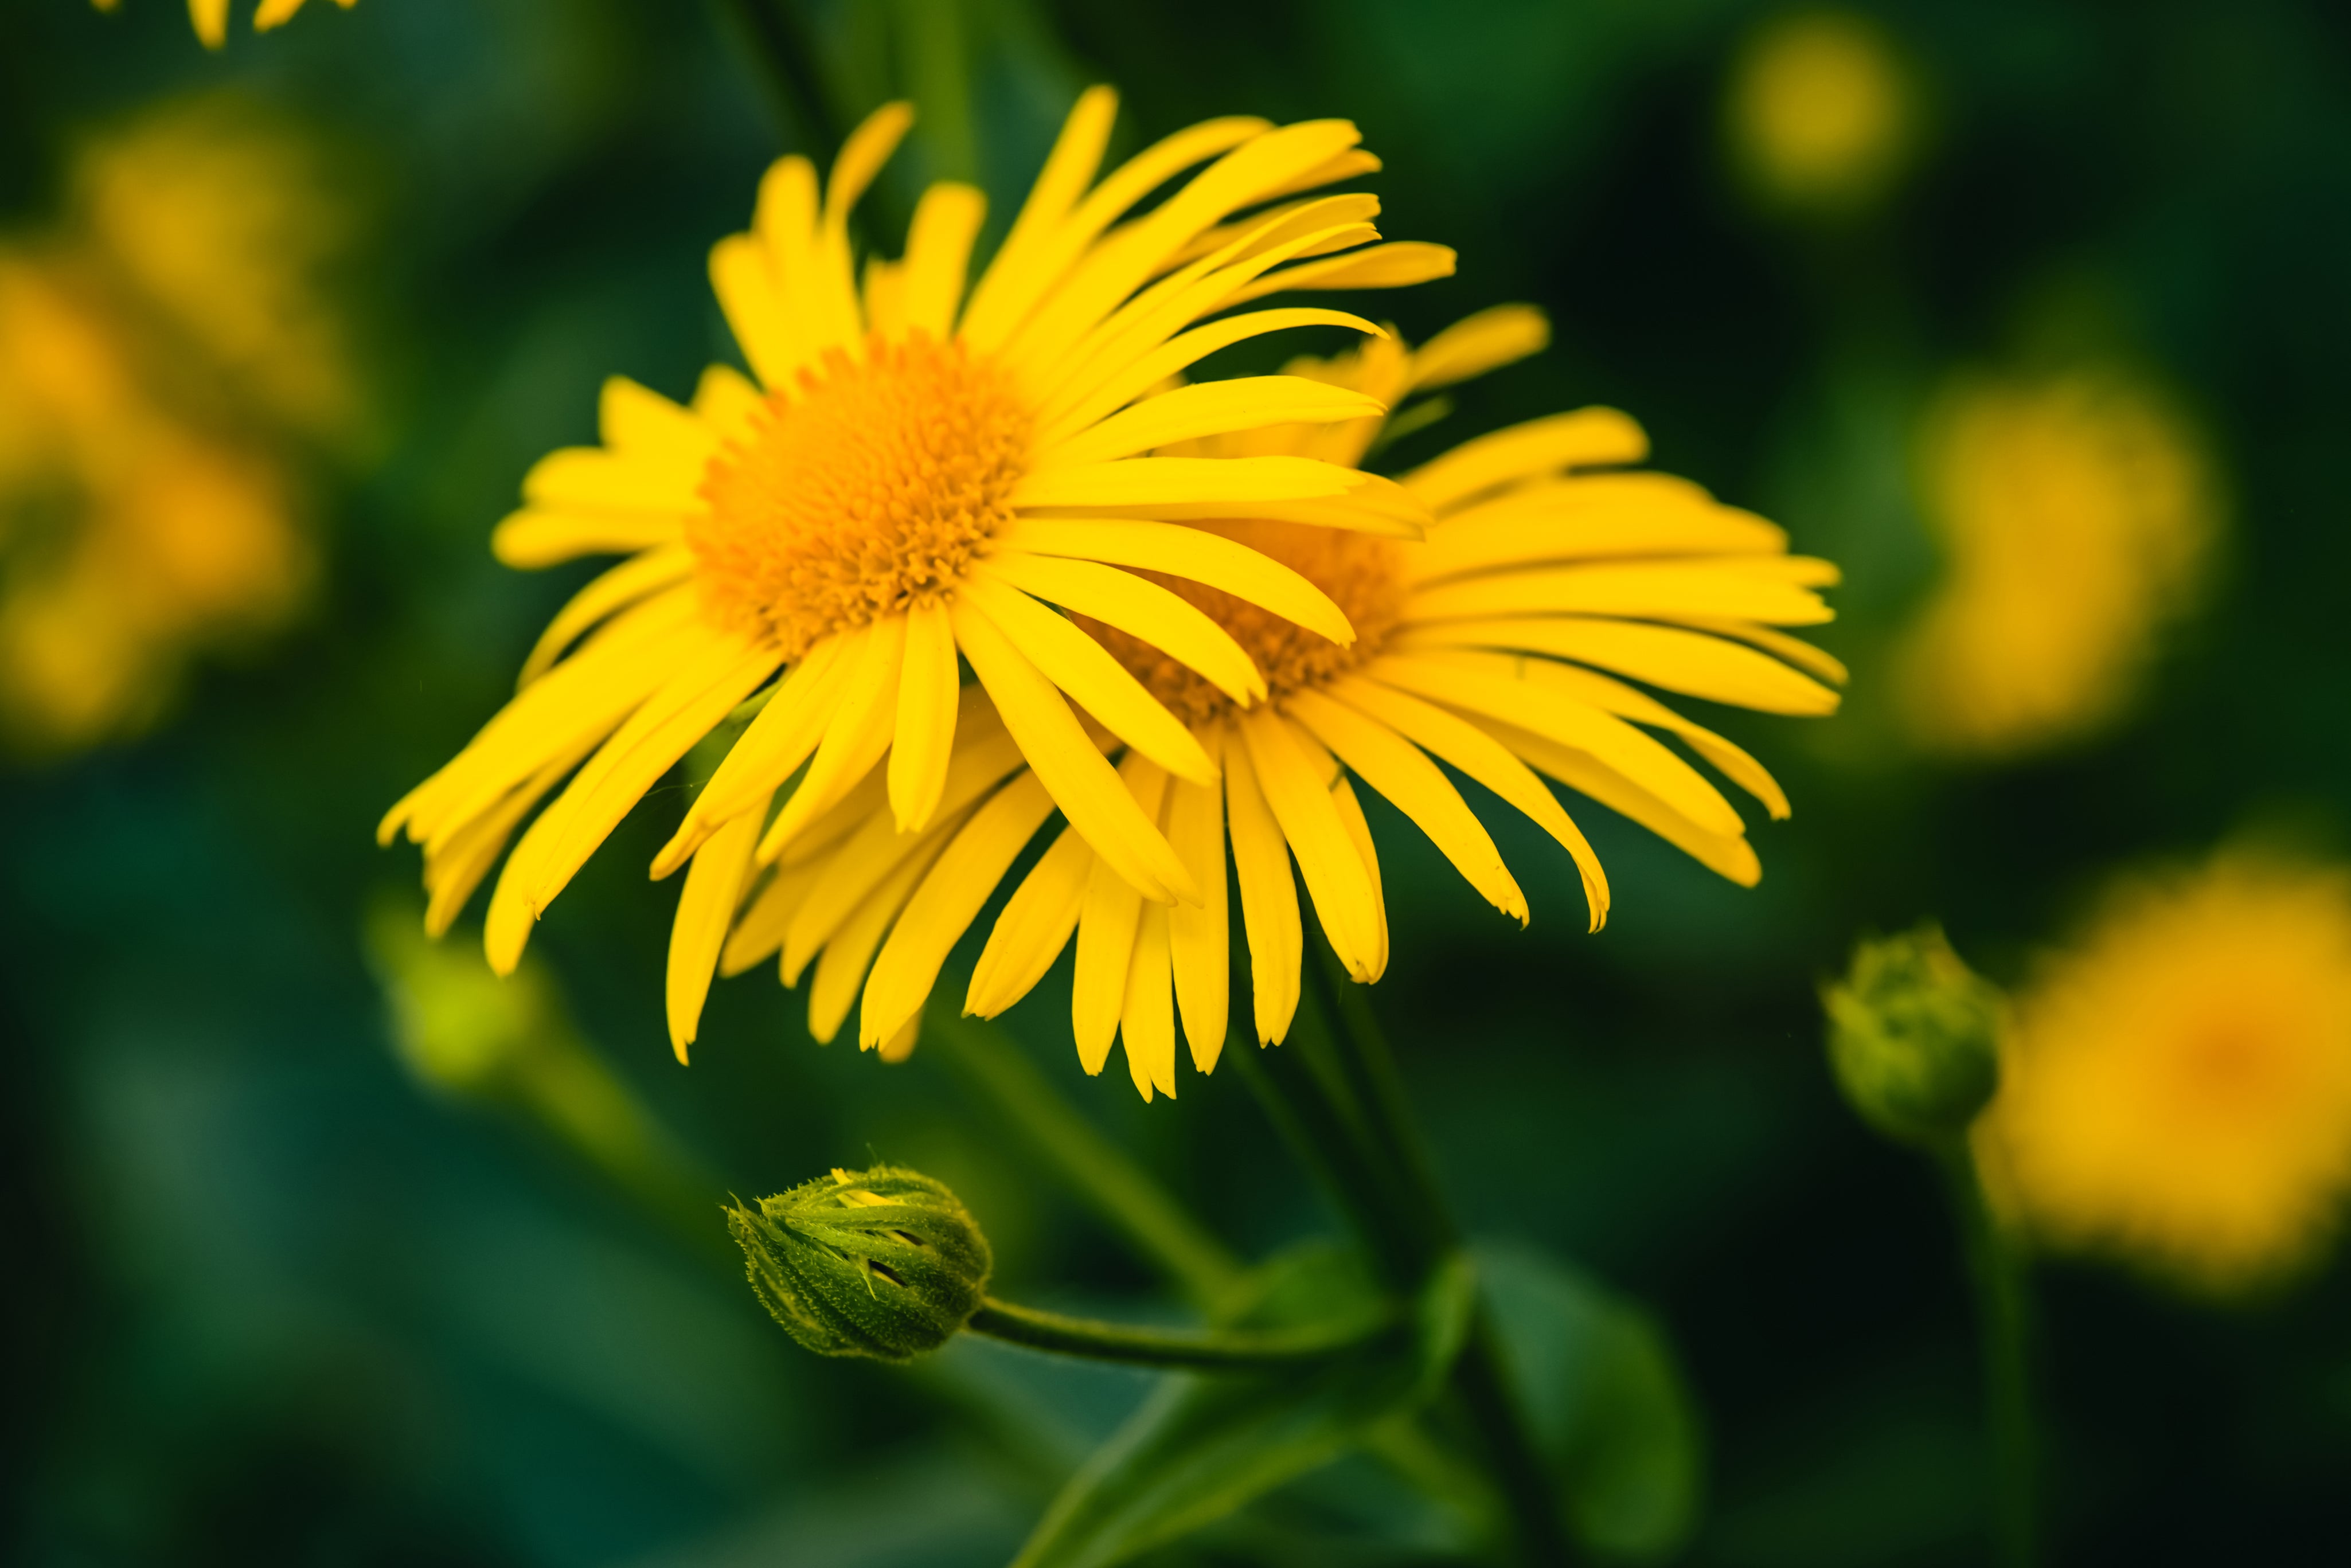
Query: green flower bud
<point>1914,1036</point>
<point>884,1263</point>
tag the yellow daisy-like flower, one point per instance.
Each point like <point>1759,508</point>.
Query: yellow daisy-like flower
<point>923,462</point>
<point>1483,647</point>
<point>2176,1088</point>
<point>2078,516</point>
<point>1821,113</point>
<point>210,16</point>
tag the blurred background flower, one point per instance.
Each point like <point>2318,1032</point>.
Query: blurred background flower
<point>1823,114</point>
<point>2077,516</point>
<point>170,361</point>
<point>277,1299</point>
<point>2176,1091</point>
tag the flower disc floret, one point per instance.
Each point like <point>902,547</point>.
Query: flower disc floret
<point>861,492</point>
<point>1363,574</point>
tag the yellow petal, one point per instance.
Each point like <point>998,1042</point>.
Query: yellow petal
<point>1020,271</point>
<point>1033,929</point>
<point>1088,398</point>
<point>855,740</point>
<point>1269,896</point>
<point>1491,685</point>
<point>840,972</point>
<point>950,898</point>
<point>639,577</point>
<point>1088,673</point>
<point>1198,939</point>
<point>1190,553</point>
<point>1470,748</point>
<point>1086,788</point>
<point>656,736</point>
<point>927,696</point>
<point>1359,833</point>
<point>743,276</point>
<point>776,742</point>
<point>1663,592</point>
<point>760,929</point>
<point>1167,622</point>
<point>1146,1019</point>
<point>1477,344</point>
<point>706,908</point>
<point>938,249</point>
<point>1584,438</point>
<point>1106,927</point>
<point>1692,663</point>
<point>1399,265</point>
<point>1727,854</point>
<point>1416,786</point>
<point>537,536</point>
<point>1209,407</point>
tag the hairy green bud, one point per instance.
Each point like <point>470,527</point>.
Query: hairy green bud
<point>1914,1036</point>
<point>884,1263</point>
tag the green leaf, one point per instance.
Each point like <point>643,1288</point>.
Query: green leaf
<point>1201,1447</point>
<point>1598,1381</point>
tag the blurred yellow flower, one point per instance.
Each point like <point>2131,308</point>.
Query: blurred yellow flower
<point>154,352</point>
<point>1483,647</point>
<point>210,17</point>
<point>2176,1088</point>
<point>1821,113</point>
<point>917,461</point>
<point>2076,515</point>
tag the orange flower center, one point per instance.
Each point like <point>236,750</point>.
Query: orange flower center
<point>1362,574</point>
<point>864,491</point>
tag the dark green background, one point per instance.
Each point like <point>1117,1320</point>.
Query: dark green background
<point>270,1302</point>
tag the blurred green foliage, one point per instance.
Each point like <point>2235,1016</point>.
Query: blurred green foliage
<point>273,1303</point>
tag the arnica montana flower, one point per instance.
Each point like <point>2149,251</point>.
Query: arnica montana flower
<point>2177,1089</point>
<point>164,350</point>
<point>1481,647</point>
<point>925,466</point>
<point>2076,515</point>
<point>210,16</point>
<point>1821,114</point>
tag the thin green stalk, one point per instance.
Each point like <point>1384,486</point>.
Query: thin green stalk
<point>1422,1234</point>
<point>1209,1351</point>
<point>1997,1274</point>
<point>1095,1169</point>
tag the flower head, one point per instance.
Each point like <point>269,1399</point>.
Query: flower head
<point>917,468</point>
<point>1821,113</point>
<point>885,1263</point>
<point>1502,645</point>
<point>210,17</point>
<point>2176,1088</point>
<point>2076,515</point>
<point>1914,1036</point>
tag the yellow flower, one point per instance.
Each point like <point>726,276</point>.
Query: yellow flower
<point>1481,647</point>
<point>2177,1089</point>
<point>1821,113</point>
<point>210,16</point>
<point>923,460</point>
<point>2076,515</point>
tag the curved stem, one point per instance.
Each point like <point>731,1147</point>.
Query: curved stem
<point>1998,1277</point>
<point>1213,1351</point>
<point>1382,1114</point>
<point>1096,1170</point>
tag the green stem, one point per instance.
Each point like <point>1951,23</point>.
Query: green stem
<point>1211,1350</point>
<point>1997,1274</point>
<point>1364,1138</point>
<point>1095,1169</point>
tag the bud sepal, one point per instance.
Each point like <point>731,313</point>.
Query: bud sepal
<point>884,1263</point>
<point>1914,1036</point>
